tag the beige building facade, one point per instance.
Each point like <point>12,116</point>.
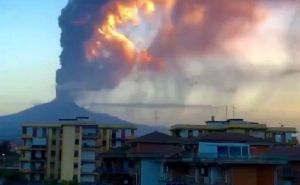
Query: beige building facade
<point>68,150</point>
<point>276,134</point>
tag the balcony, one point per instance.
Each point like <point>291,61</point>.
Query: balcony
<point>24,158</point>
<point>287,173</point>
<point>24,147</point>
<point>26,136</point>
<point>38,158</point>
<point>38,169</point>
<point>89,135</point>
<point>89,146</point>
<point>116,171</point>
<point>88,169</point>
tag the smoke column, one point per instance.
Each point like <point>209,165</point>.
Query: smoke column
<point>100,41</point>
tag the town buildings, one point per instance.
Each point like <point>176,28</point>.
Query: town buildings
<point>277,134</point>
<point>224,153</point>
<point>160,159</point>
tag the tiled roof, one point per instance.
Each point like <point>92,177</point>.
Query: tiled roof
<point>286,152</point>
<point>157,137</point>
<point>156,151</point>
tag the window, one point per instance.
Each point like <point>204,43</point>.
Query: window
<point>24,130</point>
<point>44,132</point>
<point>245,151</point>
<point>113,143</point>
<point>77,129</point>
<point>53,153</point>
<point>223,151</point>
<point>114,134</point>
<point>29,131</point>
<point>34,132</point>
<point>103,143</point>
<point>76,141</point>
<point>76,153</point>
<point>75,165</point>
<point>52,165</point>
<point>54,131</point>
<point>53,142</point>
<point>235,151</point>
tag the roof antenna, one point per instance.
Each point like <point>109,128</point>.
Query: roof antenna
<point>226,112</point>
<point>156,117</point>
<point>233,111</point>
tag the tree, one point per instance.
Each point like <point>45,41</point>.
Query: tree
<point>4,147</point>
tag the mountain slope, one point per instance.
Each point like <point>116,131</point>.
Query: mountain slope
<point>10,125</point>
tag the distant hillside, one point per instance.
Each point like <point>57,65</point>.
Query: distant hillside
<point>10,125</point>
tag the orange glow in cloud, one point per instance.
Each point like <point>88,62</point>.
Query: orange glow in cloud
<point>195,28</point>
<point>109,37</point>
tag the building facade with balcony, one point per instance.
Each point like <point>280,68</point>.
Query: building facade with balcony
<point>69,148</point>
<point>283,135</point>
<point>213,159</point>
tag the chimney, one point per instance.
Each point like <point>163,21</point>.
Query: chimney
<point>212,118</point>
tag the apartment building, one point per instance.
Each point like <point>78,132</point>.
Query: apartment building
<point>280,134</point>
<point>215,158</point>
<point>69,148</point>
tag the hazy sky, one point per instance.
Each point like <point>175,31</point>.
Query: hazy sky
<point>29,47</point>
<point>29,58</point>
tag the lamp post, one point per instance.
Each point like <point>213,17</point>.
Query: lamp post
<point>3,158</point>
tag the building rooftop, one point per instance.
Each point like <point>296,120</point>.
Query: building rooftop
<point>155,151</point>
<point>287,152</point>
<point>229,137</point>
<point>157,137</point>
<point>81,121</point>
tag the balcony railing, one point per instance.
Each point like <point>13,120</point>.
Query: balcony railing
<point>287,173</point>
<point>88,170</point>
<point>214,156</point>
<point>89,135</point>
<point>105,170</point>
<point>86,145</point>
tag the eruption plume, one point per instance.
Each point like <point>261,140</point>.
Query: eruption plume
<point>104,41</point>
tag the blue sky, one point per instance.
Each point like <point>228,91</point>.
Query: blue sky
<point>29,51</point>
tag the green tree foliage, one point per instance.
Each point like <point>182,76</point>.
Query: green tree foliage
<point>12,175</point>
<point>4,147</point>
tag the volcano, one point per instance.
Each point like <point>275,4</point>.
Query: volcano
<point>10,125</point>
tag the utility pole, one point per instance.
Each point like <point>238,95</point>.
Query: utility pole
<point>233,111</point>
<point>226,112</point>
<point>156,117</point>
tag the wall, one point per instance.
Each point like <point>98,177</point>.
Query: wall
<point>258,150</point>
<point>266,175</point>
<point>150,172</point>
<point>253,175</point>
<point>68,148</point>
<point>244,176</point>
<point>258,133</point>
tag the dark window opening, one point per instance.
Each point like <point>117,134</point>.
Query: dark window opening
<point>76,153</point>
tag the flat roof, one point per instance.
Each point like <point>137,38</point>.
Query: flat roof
<point>78,123</point>
<point>219,126</point>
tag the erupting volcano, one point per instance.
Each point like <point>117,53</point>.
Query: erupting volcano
<point>105,41</point>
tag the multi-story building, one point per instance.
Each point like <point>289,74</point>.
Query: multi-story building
<point>69,148</point>
<point>215,158</point>
<point>277,134</point>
